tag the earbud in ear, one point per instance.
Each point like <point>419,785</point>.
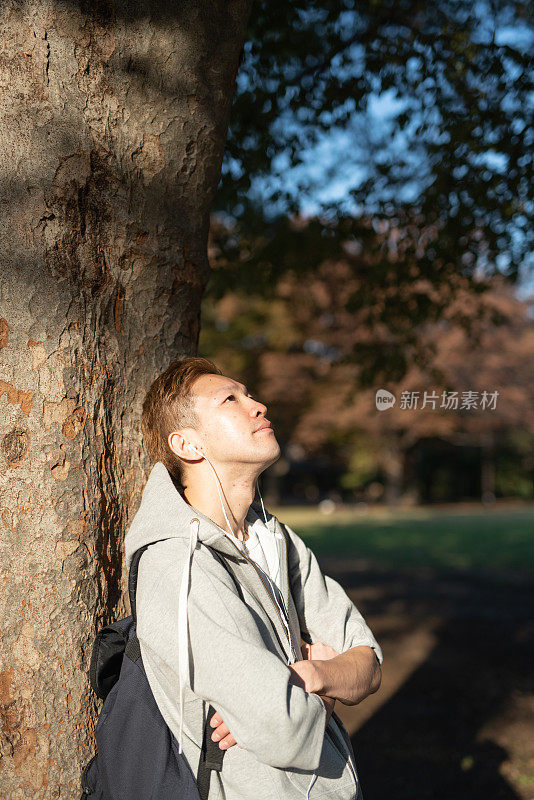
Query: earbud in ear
<point>192,447</point>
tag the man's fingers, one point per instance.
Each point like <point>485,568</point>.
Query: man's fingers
<point>221,734</point>
<point>305,649</point>
<point>227,742</point>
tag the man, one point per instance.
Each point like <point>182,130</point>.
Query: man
<point>272,651</point>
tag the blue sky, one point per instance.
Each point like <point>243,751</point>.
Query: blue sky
<point>337,162</point>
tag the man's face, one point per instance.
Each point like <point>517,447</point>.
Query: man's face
<point>233,425</point>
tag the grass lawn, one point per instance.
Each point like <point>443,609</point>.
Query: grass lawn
<point>456,537</point>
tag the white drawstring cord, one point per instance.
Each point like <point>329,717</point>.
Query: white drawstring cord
<point>183,626</point>
<point>314,778</point>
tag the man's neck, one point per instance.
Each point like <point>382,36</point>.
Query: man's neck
<point>237,494</point>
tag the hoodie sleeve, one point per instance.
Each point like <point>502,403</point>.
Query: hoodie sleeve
<point>326,613</point>
<point>230,665</point>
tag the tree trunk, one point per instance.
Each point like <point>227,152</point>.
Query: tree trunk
<point>114,119</point>
<point>392,464</point>
<point>487,467</point>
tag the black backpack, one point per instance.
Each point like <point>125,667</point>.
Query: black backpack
<point>137,754</point>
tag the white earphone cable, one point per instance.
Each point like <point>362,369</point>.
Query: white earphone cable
<point>217,484</point>
<point>261,498</point>
<point>219,490</point>
<point>230,527</point>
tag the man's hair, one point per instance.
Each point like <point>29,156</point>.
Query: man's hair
<point>168,405</point>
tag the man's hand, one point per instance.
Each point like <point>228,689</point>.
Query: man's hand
<point>305,675</point>
<point>317,650</point>
<point>349,677</point>
<point>222,733</point>
<point>305,672</point>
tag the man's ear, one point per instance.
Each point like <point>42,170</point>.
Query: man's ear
<point>177,442</point>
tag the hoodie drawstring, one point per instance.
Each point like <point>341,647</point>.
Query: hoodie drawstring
<point>314,777</point>
<point>183,625</point>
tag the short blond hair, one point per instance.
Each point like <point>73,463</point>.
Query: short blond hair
<point>168,405</point>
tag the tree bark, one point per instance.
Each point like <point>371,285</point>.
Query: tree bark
<point>114,120</point>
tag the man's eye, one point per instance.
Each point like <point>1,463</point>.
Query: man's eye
<point>250,396</point>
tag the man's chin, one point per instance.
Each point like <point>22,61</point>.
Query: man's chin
<point>277,452</point>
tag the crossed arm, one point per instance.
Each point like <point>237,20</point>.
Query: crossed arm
<point>325,613</point>
<point>349,677</point>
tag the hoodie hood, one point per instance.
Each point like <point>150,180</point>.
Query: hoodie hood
<point>163,514</point>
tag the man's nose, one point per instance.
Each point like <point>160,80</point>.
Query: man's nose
<point>258,408</point>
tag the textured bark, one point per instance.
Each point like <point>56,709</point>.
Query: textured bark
<point>114,120</point>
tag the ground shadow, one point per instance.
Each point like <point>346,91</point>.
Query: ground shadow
<point>426,741</point>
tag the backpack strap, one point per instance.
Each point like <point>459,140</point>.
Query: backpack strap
<point>211,755</point>
<point>132,578</point>
<point>132,649</point>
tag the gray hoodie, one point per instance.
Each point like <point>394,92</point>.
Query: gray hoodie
<point>205,640</point>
